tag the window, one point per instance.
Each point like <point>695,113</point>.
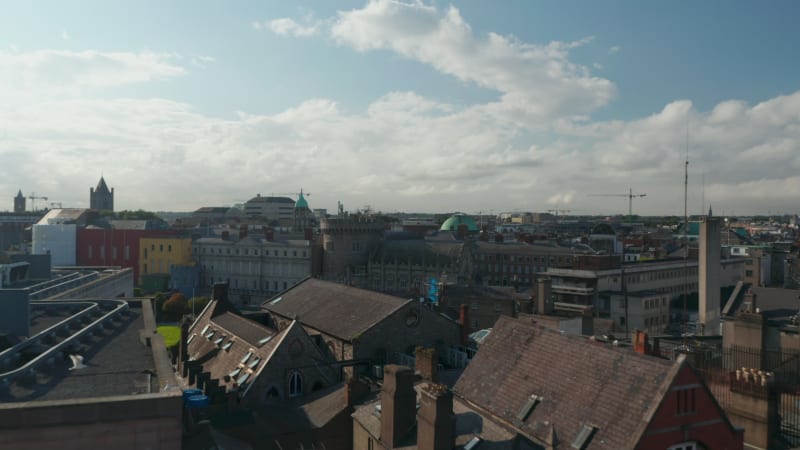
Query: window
<point>685,401</point>
<point>127,253</point>
<point>685,446</point>
<point>90,250</point>
<point>295,384</point>
<point>169,248</point>
<point>161,247</point>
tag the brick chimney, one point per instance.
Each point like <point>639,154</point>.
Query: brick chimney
<point>641,343</point>
<point>544,302</point>
<point>398,404</point>
<point>269,234</point>
<point>242,231</point>
<point>463,320</point>
<point>426,363</point>
<point>436,423</point>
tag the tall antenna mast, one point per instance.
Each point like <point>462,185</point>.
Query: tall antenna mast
<point>686,232</point>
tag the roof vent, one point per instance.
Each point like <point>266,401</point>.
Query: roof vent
<point>472,443</point>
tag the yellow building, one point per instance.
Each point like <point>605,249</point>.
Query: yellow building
<point>156,255</point>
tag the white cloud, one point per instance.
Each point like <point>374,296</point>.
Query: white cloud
<point>64,35</point>
<point>613,50</point>
<point>535,82</point>
<point>59,71</point>
<point>288,27</point>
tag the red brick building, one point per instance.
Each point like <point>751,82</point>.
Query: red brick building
<point>113,246</point>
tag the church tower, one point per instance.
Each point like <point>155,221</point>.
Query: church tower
<point>19,202</point>
<point>101,198</point>
<point>301,213</point>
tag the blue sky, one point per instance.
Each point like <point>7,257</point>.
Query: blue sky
<point>404,106</point>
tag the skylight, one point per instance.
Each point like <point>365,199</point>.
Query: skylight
<point>526,409</point>
<point>242,379</point>
<point>275,302</point>
<point>210,335</point>
<point>235,372</point>
<point>191,338</point>
<point>584,437</point>
<point>472,443</point>
<point>205,329</point>
<point>264,340</point>
<point>227,346</point>
<point>254,363</point>
<point>219,340</point>
<point>246,357</point>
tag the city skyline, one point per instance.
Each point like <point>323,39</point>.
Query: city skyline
<point>404,106</point>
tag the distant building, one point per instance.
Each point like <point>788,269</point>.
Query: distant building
<point>347,242</point>
<point>101,198</point>
<point>302,214</point>
<point>279,209</point>
<point>56,234</point>
<point>255,266</point>
<point>19,202</point>
<point>158,255</point>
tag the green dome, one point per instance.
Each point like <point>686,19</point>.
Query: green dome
<point>301,202</point>
<point>457,219</point>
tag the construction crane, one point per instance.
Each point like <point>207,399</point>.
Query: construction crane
<point>630,196</point>
<point>33,197</point>
<point>55,205</point>
<point>296,194</point>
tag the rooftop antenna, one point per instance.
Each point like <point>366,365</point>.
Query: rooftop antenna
<point>686,234</point>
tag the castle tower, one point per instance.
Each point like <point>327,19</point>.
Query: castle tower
<point>709,283</point>
<point>19,202</point>
<point>301,212</point>
<point>347,242</point>
<point>101,198</point>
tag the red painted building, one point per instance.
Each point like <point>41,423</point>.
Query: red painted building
<point>113,246</point>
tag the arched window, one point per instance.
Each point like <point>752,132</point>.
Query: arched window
<point>295,384</point>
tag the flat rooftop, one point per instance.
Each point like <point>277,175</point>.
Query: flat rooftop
<point>116,362</point>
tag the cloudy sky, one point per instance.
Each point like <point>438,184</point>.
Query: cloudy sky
<point>421,106</point>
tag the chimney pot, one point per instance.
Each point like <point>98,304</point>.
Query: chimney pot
<point>398,404</point>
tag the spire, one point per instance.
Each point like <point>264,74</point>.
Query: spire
<point>301,201</point>
<point>709,211</point>
<point>101,185</point>
<point>19,194</point>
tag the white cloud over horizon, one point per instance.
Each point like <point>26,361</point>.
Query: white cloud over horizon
<point>534,147</point>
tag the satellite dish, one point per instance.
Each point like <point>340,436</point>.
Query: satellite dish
<point>77,362</point>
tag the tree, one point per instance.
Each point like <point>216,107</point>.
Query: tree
<point>175,306</point>
<point>196,304</point>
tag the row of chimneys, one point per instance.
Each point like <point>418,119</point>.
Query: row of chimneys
<point>435,420</point>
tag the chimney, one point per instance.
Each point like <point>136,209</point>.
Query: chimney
<point>242,231</point>
<point>640,342</point>
<point>426,363</point>
<point>308,234</point>
<point>226,236</point>
<point>436,423</point>
<point>750,304</point>
<point>269,234</point>
<point>398,404</point>
<point>183,349</point>
<point>354,391</point>
<point>463,319</point>
<point>219,292</point>
<point>544,302</point>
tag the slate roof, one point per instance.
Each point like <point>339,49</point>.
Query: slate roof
<point>580,382</point>
<point>335,309</point>
<point>244,335</point>
<point>468,425</point>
